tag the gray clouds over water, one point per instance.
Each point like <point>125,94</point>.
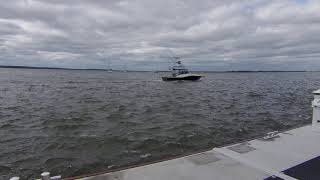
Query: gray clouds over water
<point>208,34</point>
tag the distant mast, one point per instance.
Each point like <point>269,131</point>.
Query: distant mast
<point>109,67</point>
<point>125,68</point>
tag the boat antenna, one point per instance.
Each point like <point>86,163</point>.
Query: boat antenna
<point>177,59</point>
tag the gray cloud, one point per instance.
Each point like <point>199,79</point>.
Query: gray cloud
<point>138,34</point>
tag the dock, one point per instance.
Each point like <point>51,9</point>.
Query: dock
<point>289,155</point>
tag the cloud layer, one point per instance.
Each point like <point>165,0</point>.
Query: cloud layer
<point>143,34</point>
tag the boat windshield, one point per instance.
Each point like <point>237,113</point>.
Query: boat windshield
<point>178,71</point>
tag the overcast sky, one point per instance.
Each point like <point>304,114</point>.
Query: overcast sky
<point>143,34</point>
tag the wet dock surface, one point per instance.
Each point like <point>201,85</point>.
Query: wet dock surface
<point>293,154</point>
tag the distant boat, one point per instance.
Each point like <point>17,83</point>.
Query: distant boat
<point>109,69</point>
<point>124,69</point>
<point>180,72</point>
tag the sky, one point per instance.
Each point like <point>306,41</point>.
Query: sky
<point>211,35</point>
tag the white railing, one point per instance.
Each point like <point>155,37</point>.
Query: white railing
<point>316,109</point>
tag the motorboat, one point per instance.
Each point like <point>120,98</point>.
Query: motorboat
<point>180,72</point>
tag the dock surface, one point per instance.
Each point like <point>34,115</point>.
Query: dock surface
<point>294,154</point>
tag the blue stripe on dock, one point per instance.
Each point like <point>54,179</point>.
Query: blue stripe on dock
<point>308,170</point>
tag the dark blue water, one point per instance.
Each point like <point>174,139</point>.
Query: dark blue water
<point>76,122</point>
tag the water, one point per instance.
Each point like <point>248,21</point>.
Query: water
<point>77,122</point>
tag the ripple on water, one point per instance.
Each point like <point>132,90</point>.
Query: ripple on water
<point>75,122</point>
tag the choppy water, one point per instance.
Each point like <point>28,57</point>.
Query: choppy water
<point>76,122</point>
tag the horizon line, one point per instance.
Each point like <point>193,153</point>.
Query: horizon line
<point>118,70</point>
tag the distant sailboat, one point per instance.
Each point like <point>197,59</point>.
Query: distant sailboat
<point>125,68</point>
<point>109,69</point>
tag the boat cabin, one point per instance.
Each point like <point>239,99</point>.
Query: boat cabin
<point>179,69</point>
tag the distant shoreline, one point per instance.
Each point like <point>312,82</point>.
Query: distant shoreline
<point>57,68</point>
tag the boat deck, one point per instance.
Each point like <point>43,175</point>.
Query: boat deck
<point>294,154</point>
